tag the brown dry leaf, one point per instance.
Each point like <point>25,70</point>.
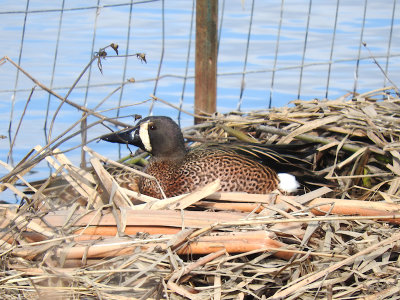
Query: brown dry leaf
<point>309,127</point>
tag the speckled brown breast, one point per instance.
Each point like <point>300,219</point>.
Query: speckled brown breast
<point>199,167</point>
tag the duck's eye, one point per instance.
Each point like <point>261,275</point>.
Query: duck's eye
<point>152,127</point>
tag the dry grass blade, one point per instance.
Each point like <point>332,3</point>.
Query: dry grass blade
<point>117,195</point>
<point>197,195</point>
<point>303,284</point>
<point>308,127</point>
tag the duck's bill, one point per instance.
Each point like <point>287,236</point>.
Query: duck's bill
<point>125,136</point>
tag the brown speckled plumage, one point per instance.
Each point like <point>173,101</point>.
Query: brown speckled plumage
<point>202,166</point>
<point>179,170</point>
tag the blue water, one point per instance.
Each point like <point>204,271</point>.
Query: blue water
<point>74,50</point>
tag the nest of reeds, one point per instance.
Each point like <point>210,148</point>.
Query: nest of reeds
<point>335,241</point>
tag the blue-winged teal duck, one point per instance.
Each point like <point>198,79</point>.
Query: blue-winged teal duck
<point>179,170</point>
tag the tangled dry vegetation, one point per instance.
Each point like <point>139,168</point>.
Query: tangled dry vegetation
<point>336,242</point>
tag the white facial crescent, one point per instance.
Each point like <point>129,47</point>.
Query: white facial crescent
<point>144,136</point>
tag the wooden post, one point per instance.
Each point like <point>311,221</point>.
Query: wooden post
<point>206,58</point>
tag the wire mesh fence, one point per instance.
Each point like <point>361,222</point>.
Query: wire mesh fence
<point>270,52</point>
<point>73,71</point>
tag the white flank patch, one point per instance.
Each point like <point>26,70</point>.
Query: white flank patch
<point>288,183</point>
<point>144,136</point>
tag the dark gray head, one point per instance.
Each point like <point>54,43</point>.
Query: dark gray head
<point>158,135</point>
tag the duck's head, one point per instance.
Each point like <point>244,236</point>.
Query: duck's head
<point>158,135</point>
